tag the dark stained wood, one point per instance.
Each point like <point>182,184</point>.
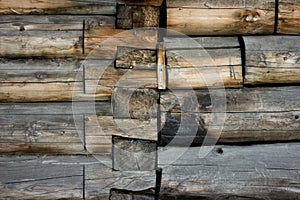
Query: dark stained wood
<point>221,18</point>
<point>232,172</point>
<point>289,17</point>
<point>58,7</point>
<point>203,62</point>
<point>134,154</point>
<point>272,59</point>
<point>141,3</point>
<point>252,115</point>
<point>116,194</point>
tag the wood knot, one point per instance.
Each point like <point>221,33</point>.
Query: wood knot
<point>250,16</point>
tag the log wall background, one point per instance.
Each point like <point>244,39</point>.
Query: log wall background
<point>62,76</point>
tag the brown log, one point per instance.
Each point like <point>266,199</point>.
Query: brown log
<point>48,44</point>
<point>272,59</point>
<point>253,115</point>
<point>58,7</point>
<point>289,17</point>
<point>221,18</point>
<point>203,62</point>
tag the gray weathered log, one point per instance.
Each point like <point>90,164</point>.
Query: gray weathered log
<point>134,154</point>
<point>272,59</point>
<point>221,18</point>
<point>58,7</point>
<point>289,17</point>
<point>232,172</point>
<point>203,62</point>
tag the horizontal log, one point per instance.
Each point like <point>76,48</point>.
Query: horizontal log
<point>238,172</point>
<point>51,134</point>
<point>203,62</point>
<point>250,114</point>
<point>100,129</point>
<point>58,7</point>
<point>289,17</point>
<point>48,44</point>
<point>34,177</point>
<point>226,18</point>
<point>141,3</point>
<point>105,46</point>
<point>272,59</point>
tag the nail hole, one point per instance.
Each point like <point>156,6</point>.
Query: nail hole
<point>220,151</point>
<point>296,117</point>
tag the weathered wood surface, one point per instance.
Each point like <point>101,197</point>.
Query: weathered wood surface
<point>58,7</point>
<point>233,172</point>
<point>272,59</point>
<point>141,3</point>
<point>49,128</point>
<point>104,46</point>
<point>203,62</point>
<point>289,17</point>
<point>100,129</point>
<point>221,18</point>
<point>33,177</point>
<point>134,154</point>
<point>45,44</point>
<point>121,194</point>
<point>161,67</point>
<point>132,16</point>
<point>253,115</point>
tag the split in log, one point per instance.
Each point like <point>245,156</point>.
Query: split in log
<point>272,59</point>
<point>221,18</point>
<point>289,17</point>
<point>58,7</point>
<point>252,115</point>
<point>203,62</point>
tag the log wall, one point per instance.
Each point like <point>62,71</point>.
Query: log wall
<point>90,109</point>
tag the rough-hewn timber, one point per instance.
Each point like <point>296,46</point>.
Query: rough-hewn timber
<point>272,59</point>
<point>221,17</point>
<point>252,115</point>
<point>289,17</point>
<point>58,7</point>
<point>203,62</point>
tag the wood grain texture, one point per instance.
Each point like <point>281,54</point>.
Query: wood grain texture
<point>58,7</point>
<point>39,44</point>
<point>161,67</point>
<point>141,3</point>
<point>100,129</point>
<point>237,172</point>
<point>105,46</point>
<point>252,115</point>
<point>33,177</point>
<point>272,59</point>
<point>134,154</point>
<point>289,17</point>
<point>203,62</point>
<point>221,18</point>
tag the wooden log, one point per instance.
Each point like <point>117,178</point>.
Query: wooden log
<point>48,44</point>
<point>289,17</point>
<point>50,134</point>
<point>232,172</point>
<point>203,62</point>
<point>253,115</point>
<point>34,177</point>
<point>99,180</point>
<point>105,46</point>
<point>221,18</point>
<point>100,129</point>
<point>272,59</point>
<point>134,154</point>
<point>137,16</point>
<point>58,7</point>
<point>161,67</point>
<point>124,194</point>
